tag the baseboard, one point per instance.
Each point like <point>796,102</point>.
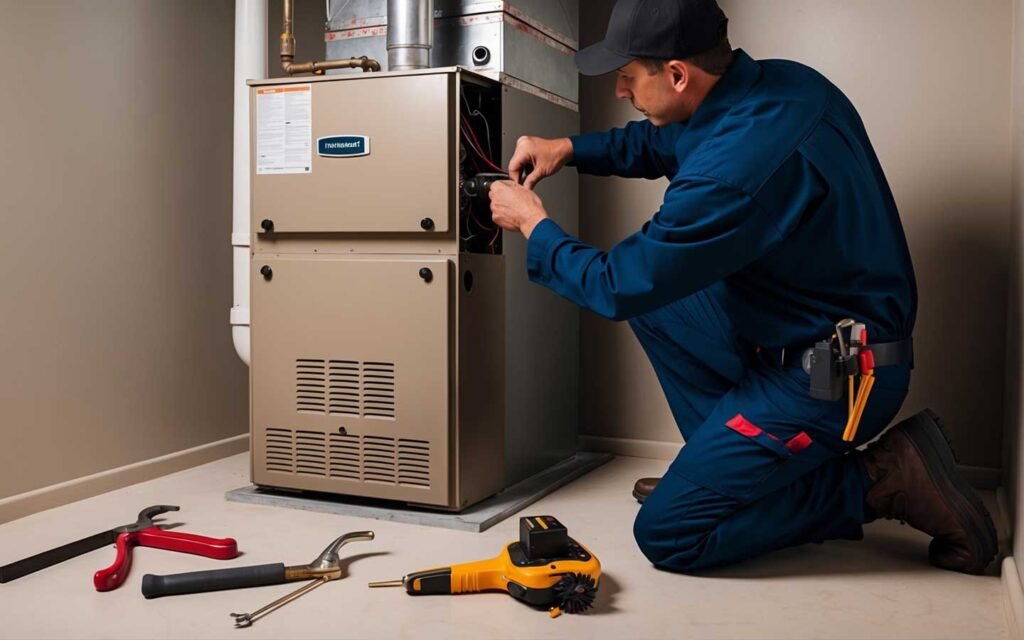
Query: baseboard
<point>24,504</point>
<point>655,449</point>
<point>979,477</point>
<point>1013,598</point>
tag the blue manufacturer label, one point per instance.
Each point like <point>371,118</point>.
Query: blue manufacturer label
<point>343,146</point>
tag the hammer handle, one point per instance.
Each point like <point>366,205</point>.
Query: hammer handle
<point>216,580</point>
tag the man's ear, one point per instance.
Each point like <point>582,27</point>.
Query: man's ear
<point>678,73</point>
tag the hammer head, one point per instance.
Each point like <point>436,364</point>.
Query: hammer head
<point>146,516</point>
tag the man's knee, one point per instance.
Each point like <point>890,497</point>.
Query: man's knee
<point>665,541</point>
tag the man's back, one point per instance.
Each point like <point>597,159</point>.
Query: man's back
<point>792,141</point>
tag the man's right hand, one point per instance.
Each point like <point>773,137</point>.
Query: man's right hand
<point>546,157</point>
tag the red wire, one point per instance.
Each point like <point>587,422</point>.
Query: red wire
<point>465,122</point>
<point>481,154</point>
<point>475,144</point>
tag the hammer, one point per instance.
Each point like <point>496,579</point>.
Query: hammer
<point>326,567</point>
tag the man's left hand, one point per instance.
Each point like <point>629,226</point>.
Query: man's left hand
<point>516,208</point>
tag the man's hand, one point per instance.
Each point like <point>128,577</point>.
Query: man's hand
<point>546,156</point>
<point>516,208</point>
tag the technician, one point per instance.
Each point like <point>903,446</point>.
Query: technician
<point>777,224</point>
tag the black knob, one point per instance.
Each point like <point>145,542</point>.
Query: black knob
<point>426,274</point>
<point>426,224</point>
<point>267,224</point>
<point>267,272</point>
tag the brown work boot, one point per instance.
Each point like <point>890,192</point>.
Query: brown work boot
<point>915,480</point>
<point>643,488</point>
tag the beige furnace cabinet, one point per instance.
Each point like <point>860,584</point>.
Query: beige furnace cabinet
<point>398,350</point>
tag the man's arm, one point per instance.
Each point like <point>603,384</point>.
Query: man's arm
<point>639,150</point>
<point>705,231</point>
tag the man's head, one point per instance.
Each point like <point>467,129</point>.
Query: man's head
<point>668,55</point>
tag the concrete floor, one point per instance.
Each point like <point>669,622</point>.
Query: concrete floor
<point>879,588</point>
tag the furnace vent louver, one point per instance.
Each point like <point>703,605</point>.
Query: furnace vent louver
<point>310,387</point>
<point>379,459</point>
<point>345,388</point>
<point>414,463</point>
<point>280,450</point>
<point>346,457</point>
<point>375,459</point>
<point>379,390</point>
<point>310,453</point>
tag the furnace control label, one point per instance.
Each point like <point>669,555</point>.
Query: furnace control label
<point>284,129</point>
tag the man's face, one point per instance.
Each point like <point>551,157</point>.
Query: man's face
<point>653,95</point>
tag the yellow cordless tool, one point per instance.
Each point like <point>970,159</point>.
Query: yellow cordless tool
<point>545,568</point>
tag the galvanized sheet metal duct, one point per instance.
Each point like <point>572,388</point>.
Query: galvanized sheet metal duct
<point>410,34</point>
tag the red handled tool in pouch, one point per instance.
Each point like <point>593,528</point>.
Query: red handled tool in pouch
<point>828,366</point>
<point>153,536</point>
<point>866,365</point>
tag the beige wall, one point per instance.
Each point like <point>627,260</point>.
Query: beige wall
<point>931,80</point>
<point>115,193</point>
<point>1013,454</point>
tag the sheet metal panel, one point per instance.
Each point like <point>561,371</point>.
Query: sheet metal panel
<point>558,19</point>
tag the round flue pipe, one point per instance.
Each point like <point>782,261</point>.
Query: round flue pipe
<point>410,34</point>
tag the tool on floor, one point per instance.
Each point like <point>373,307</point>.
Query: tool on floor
<point>545,568</point>
<point>325,568</point>
<point>144,522</point>
<point>153,536</point>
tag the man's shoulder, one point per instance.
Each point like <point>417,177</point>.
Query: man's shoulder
<point>765,127</point>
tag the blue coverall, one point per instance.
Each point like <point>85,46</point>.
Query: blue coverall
<point>777,223</point>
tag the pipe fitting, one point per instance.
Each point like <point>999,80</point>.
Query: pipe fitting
<point>316,67</point>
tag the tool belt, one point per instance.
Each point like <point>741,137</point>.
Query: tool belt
<point>834,365</point>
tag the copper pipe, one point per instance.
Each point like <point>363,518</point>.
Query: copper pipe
<point>315,67</point>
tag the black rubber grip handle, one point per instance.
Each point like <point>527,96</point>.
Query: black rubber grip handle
<point>431,582</point>
<point>216,580</point>
<point>49,558</point>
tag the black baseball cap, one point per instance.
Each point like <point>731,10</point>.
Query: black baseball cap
<point>660,29</point>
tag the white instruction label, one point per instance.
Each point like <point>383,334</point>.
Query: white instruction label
<point>284,129</point>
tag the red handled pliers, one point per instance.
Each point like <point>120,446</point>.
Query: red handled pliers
<point>145,533</point>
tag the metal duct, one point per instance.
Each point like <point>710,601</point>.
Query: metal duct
<point>410,34</point>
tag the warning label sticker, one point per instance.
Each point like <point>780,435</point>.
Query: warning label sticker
<point>284,129</point>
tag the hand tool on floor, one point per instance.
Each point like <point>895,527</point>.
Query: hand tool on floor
<point>325,568</point>
<point>545,568</point>
<point>144,522</point>
<point>153,536</point>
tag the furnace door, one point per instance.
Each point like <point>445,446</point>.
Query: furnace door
<point>351,375</point>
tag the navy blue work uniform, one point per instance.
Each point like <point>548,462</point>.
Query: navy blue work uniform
<point>777,223</point>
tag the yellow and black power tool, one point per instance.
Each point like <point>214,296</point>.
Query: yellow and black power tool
<point>545,568</point>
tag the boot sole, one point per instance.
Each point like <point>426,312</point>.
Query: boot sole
<point>929,436</point>
<point>639,497</point>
